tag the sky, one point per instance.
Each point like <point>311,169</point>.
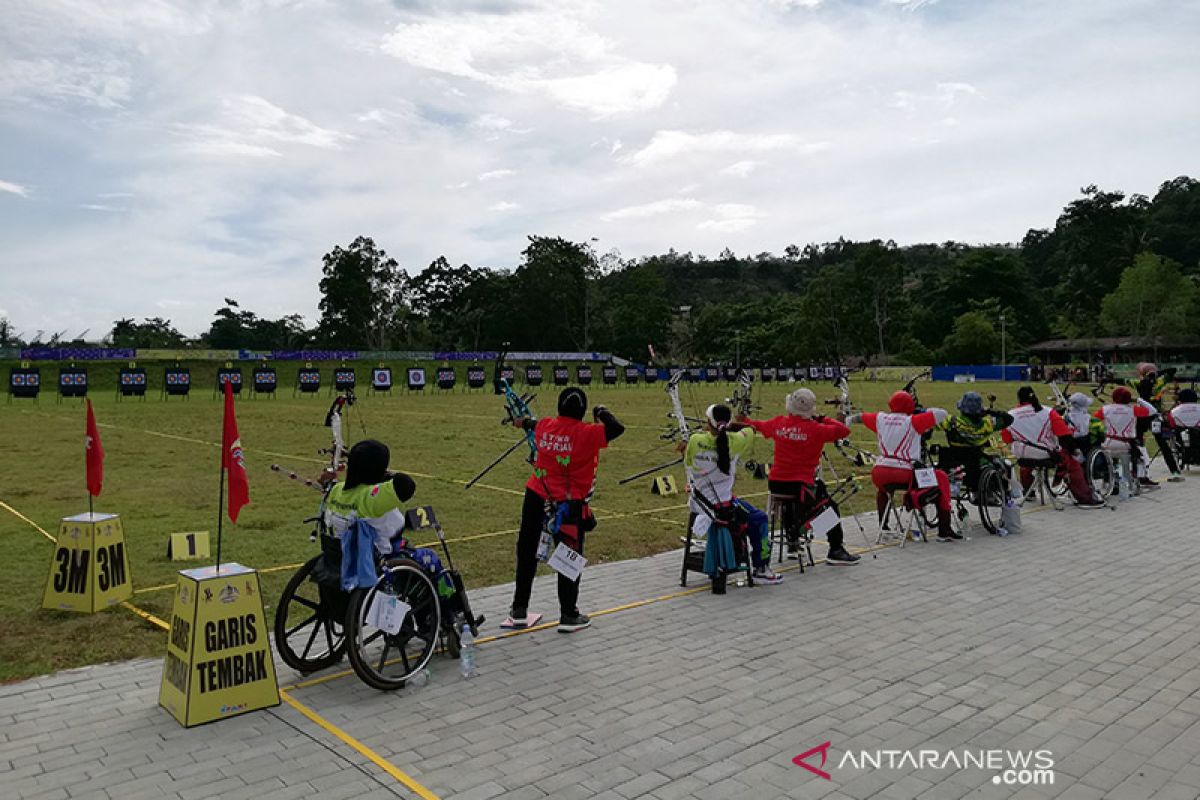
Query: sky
<point>158,156</point>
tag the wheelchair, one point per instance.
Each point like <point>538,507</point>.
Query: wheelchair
<point>389,630</point>
<point>1186,444</point>
<point>988,493</point>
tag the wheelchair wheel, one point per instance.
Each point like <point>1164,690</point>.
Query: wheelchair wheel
<point>1100,473</point>
<point>310,632</point>
<point>385,660</point>
<point>992,496</point>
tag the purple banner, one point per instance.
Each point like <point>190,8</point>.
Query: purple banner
<point>483,355</point>
<point>314,355</point>
<point>77,354</point>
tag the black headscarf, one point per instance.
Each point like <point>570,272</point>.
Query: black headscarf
<point>572,402</point>
<point>368,464</point>
<point>1026,396</point>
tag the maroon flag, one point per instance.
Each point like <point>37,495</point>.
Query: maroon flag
<point>94,453</point>
<point>232,461</point>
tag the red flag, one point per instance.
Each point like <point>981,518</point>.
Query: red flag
<point>232,461</point>
<point>94,453</point>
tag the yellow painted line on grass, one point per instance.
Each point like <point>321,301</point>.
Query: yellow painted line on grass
<point>359,747</point>
<point>146,615</point>
<point>21,516</point>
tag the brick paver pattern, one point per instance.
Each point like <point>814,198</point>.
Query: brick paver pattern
<point>1079,636</point>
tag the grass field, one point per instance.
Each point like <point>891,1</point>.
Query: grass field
<point>161,474</point>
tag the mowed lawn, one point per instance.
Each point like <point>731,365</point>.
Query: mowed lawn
<point>161,474</point>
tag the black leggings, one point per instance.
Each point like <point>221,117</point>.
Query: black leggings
<point>797,513</point>
<point>533,513</point>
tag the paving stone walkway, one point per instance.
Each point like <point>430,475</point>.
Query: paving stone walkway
<point>1080,637</point>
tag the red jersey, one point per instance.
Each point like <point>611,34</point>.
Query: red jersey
<point>568,452</point>
<point>798,444</point>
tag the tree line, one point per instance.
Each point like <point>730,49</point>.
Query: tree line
<point>1111,264</point>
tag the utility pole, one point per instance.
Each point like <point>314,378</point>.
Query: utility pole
<point>1003,350</point>
<point>737,343</point>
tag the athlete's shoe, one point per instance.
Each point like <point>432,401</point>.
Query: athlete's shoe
<point>1176,477</point>
<point>520,618</point>
<point>766,576</point>
<point>1092,504</point>
<point>840,557</point>
<point>952,536</point>
<point>573,622</point>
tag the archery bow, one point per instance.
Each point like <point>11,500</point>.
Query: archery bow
<point>674,433</point>
<point>847,449</point>
<point>333,421</point>
<point>515,406</point>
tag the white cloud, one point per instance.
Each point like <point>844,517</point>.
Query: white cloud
<point>731,218</point>
<point>495,175</point>
<point>249,125</point>
<point>625,119</point>
<point>652,209</point>
<point>99,207</point>
<point>667,145</point>
<point>548,50</point>
<point>13,188</point>
<point>741,169</point>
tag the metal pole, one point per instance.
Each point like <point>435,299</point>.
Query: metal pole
<point>1003,350</point>
<point>737,343</point>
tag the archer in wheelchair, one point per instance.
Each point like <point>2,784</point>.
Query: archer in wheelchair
<point>796,490</point>
<point>371,593</point>
<point>734,531</point>
<point>899,434</point>
<point>1043,444</point>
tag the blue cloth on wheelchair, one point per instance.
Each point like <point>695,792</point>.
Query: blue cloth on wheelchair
<point>718,553</point>
<point>358,556</point>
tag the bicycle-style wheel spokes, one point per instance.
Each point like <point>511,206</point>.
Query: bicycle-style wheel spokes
<point>309,632</point>
<point>385,657</point>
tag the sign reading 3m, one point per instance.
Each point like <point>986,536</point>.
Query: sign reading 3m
<point>89,569</point>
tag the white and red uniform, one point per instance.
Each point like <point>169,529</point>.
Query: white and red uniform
<point>1185,415</point>
<point>1034,437</point>
<point>898,437</point>
<point>1120,425</point>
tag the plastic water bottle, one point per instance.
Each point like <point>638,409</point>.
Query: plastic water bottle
<point>420,679</point>
<point>1123,485</point>
<point>466,656</point>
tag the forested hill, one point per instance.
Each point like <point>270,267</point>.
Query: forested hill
<point>1109,265</point>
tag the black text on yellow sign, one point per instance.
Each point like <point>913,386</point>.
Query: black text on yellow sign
<point>89,568</point>
<point>188,546</point>
<point>218,660</point>
<point>664,485</point>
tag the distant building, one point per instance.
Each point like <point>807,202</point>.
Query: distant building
<point>1114,350</point>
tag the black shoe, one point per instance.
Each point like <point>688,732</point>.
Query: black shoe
<point>569,623</point>
<point>1092,504</point>
<point>1147,482</point>
<point>840,557</point>
<point>951,536</point>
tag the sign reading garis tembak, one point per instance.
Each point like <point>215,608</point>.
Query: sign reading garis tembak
<point>218,660</point>
<point>89,570</point>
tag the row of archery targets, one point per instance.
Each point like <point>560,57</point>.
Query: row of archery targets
<point>25,381</point>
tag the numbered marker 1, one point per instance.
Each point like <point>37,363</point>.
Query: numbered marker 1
<point>188,546</point>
